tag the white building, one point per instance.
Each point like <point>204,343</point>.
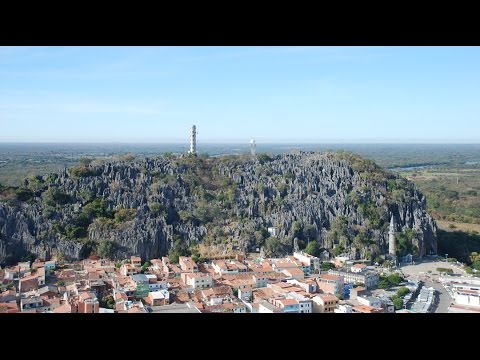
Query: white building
<point>369,301</point>
<point>197,280</point>
<point>273,231</point>
<point>305,305</point>
<point>312,261</point>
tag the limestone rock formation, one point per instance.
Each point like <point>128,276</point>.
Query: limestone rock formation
<point>146,207</point>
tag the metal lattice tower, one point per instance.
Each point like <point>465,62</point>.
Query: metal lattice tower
<point>193,140</point>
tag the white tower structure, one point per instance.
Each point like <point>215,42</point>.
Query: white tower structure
<point>193,140</point>
<point>253,148</point>
<point>392,248</point>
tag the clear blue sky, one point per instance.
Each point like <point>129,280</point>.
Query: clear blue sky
<point>274,94</point>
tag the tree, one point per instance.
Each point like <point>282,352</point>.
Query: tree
<point>394,279</point>
<point>402,291</point>
<point>398,303</point>
<point>379,260</point>
<point>85,161</point>
<point>476,265</point>
<point>273,246</point>
<point>145,266</point>
<point>104,249</point>
<point>327,266</point>
<point>313,248</point>
<point>263,158</point>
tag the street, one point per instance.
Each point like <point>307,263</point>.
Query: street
<point>427,272</point>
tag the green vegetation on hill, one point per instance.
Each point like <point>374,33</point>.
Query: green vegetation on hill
<point>452,194</point>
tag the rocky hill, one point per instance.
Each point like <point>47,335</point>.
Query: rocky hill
<point>169,205</point>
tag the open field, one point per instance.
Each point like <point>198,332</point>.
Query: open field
<point>453,195</point>
<point>452,225</point>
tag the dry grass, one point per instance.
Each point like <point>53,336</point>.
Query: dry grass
<point>446,225</point>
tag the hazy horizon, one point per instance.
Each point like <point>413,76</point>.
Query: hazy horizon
<point>296,94</point>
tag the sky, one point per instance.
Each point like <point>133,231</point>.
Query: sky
<point>233,94</point>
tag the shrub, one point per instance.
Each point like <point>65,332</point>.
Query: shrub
<point>123,215</point>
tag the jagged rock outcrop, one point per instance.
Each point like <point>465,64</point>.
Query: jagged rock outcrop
<point>231,199</point>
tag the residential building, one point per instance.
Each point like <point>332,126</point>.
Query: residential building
<point>294,273</point>
<point>366,277</point>
<point>88,303</point>
<point>287,305</point>
<point>312,262</point>
<point>187,264</point>
<point>324,303</point>
<point>364,309</point>
<point>158,298</point>
<point>267,308</point>
<point>369,301</point>
<point>32,302</point>
<point>50,265</point>
<point>136,261</point>
<point>28,283</point>
<point>273,231</point>
<point>305,304</point>
<point>358,268</point>
<point>331,284</point>
<point>197,280</point>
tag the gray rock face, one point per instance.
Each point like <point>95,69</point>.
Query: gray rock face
<point>311,188</point>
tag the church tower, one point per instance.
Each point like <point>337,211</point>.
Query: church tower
<point>392,248</point>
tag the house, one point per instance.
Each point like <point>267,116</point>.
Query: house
<point>40,274</point>
<point>8,308</point>
<point>223,267</point>
<point>287,305</point>
<point>128,270</point>
<point>245,293</point>
<point>8,296</point>
<point>158,298</point>
<point>325,303</point>
<point>369,301</point>
<point>358,291</point>
<point>49,305</point>
<point>260,280</point>
<point>229,307</point>
<point>50,265</point>
<point>28,283</point>
<point>294,273</point>
<point>309,285</point>
<point>11,273</point>
<point>65,308</point>
<point>32,302</point>
<point>263,268</point>
<point>140,279</point>
<point>187,264</point>
<point>273,231</point>
<point>136,261</point>
<point>364,309</point>
<point>197,280</point>
<point>37,264</point>
<point>24,267</point>
<point>305,304</point>
<point>331,284</point>
<point>88,303</point>
<point>358,268</point>
<point>343,309</point>
<point>48,291</point>
<point>267,308</point>
<point>366,277</point>
<point>312,262</point>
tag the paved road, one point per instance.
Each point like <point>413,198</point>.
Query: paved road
<point>444,297</point>
<point>420,272</point>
